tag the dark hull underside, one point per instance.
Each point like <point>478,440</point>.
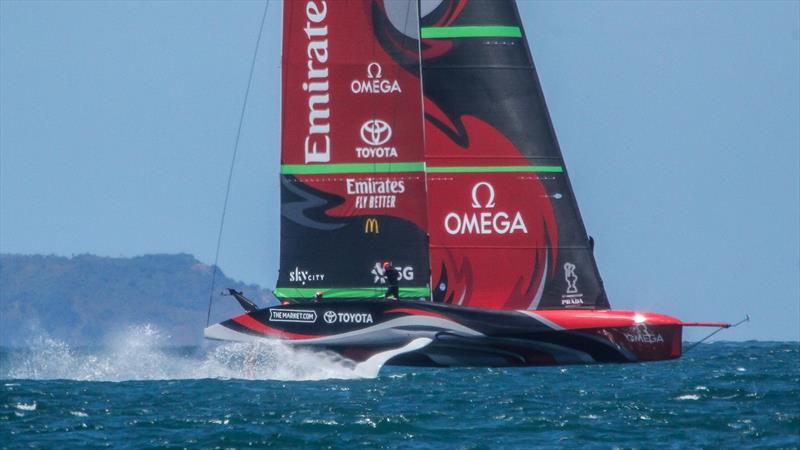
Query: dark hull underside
<point>457,336</point>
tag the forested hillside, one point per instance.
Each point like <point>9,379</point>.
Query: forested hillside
<point>85,298</point>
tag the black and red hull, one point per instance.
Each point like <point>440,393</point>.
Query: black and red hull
<point>461,336</point>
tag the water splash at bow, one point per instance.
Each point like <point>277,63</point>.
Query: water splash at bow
<point>141,353</point>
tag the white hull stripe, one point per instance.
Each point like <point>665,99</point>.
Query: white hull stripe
<point>538,297</point>
<point>223,333</point>
<point>389,331</point>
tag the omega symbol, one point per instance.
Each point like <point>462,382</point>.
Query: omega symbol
<point>374,70</point>
<point>476,202</point>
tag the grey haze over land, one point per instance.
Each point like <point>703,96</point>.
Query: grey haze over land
<point>86,299</point>
<point>679,122</point>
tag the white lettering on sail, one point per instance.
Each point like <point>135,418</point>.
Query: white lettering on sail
<point>484,222</point>
<point>375,83</point>
<point>403,272</point>
<point>301,276</point>
<point>318,142</point>
<point>371,193</point>
<point>373,186</point>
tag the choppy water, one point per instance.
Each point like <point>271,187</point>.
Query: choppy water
<point>132,393</point>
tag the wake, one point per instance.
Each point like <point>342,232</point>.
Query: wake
<point>140,354</point>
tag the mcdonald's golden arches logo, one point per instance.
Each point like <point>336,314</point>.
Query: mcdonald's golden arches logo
<point>372,226</point>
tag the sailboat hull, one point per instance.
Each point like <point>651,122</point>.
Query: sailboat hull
<point>461,336</point>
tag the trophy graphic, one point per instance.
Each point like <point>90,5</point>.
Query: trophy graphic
<point>569,275</point>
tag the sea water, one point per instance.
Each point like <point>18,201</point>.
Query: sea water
<point>132,392</point>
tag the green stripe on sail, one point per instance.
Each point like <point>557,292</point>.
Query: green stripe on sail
<point>470,31</point>
<point>313,169</point>
<point>369,292</point>
<point>479,169</point>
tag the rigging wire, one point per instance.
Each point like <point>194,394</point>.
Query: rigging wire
<point>233,160</point>
<point>746,319</point>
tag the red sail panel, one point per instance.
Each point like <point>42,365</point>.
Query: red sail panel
<point>352,171</point>
<point>345,98</point>
<point>492,228</point>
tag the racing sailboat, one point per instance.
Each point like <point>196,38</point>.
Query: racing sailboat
<point>416,131</point>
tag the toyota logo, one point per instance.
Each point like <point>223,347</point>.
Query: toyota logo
<point>329,316</point>
<point>376,132</point>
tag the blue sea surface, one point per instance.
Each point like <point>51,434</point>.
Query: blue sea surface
<point>139,395</point>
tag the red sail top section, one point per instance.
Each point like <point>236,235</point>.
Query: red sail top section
<point>345,98</point>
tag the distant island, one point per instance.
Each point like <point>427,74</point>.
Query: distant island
<point>83,298</point>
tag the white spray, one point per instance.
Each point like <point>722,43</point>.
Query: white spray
<point>140,354</point>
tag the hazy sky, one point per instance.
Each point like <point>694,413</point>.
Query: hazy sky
<point>679,122</point>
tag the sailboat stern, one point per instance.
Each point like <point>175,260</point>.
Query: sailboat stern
<point>641,336</point>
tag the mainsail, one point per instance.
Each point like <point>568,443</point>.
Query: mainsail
<point>417,132</point>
